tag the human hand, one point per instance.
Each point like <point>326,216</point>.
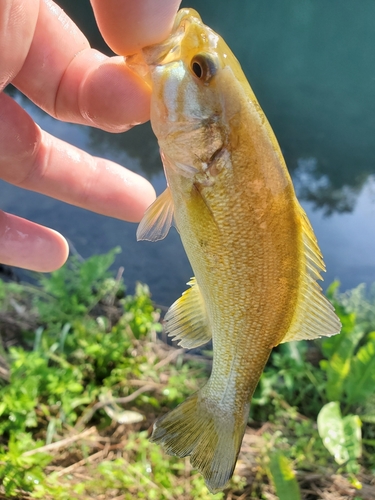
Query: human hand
<point>45,55</point>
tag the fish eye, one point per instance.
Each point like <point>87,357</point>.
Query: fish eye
<point>204,66</point>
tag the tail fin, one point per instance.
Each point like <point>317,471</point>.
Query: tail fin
<point>200,428</point>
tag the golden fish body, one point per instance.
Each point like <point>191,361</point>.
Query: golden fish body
<point>250,244</point>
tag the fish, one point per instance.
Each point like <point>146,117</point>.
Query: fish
<point>255,258</point>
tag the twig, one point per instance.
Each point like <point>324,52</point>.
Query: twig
<point>21,323</point>
<point>142,383</point>
<point>84,461</point>
<point>120,272</point>
<point>244,495</point>
<point>131,397</point>
<point>174,354</point>
<point>198,357</point>
<point>61,443</point>
<point>4,374</point>
<point>86,417</point>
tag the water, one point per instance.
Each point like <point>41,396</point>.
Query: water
<point>312,67</point>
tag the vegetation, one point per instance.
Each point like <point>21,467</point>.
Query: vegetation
<point>83,375</point>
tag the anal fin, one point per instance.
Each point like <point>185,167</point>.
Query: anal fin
<point>186,320</point>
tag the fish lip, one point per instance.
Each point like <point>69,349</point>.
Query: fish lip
<point>169,49</point>
<point>155,55</point>
<point>143,63</point>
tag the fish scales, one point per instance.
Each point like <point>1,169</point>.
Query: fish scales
<point>250,244</point>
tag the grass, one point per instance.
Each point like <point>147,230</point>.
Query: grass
<point>83,375</point>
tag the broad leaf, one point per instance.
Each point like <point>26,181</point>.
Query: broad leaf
<point>341,436</point>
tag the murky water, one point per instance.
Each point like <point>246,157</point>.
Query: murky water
<point>312,66</point>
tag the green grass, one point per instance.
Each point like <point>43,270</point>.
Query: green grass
<point>83,376</point>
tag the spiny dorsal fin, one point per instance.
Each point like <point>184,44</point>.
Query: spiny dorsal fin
<point>315,316</point>
<point>186,319</point>
<point>157,219</point>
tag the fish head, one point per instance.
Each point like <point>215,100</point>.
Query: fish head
<point>195,79</point>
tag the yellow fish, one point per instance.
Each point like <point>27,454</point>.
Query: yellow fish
<point>253,251</point>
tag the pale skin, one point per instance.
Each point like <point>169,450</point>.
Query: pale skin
<point>45,55</point>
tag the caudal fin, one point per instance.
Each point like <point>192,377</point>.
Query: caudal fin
<point>212,437</point>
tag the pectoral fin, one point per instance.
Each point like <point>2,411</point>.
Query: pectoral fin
<point>157,219</point>
<point>186,319</point>
<point>315,316</point>
<point>183,169</point>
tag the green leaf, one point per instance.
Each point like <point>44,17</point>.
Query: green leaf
<point>341,436</point>
<point>340,355</point>
<point>353,441</point>
<point>283,477</point>
<point>361,383</point>
<point>370,419</point>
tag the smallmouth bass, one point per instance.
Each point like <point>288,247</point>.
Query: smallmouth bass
<point>252,249</point>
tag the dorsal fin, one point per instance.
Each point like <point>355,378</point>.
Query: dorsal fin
<point>186,319</point>
<point>315,316</point>
<point>157,219</point>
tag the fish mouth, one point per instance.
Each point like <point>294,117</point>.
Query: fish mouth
<point>167,51</point>
<point>170,49</point>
